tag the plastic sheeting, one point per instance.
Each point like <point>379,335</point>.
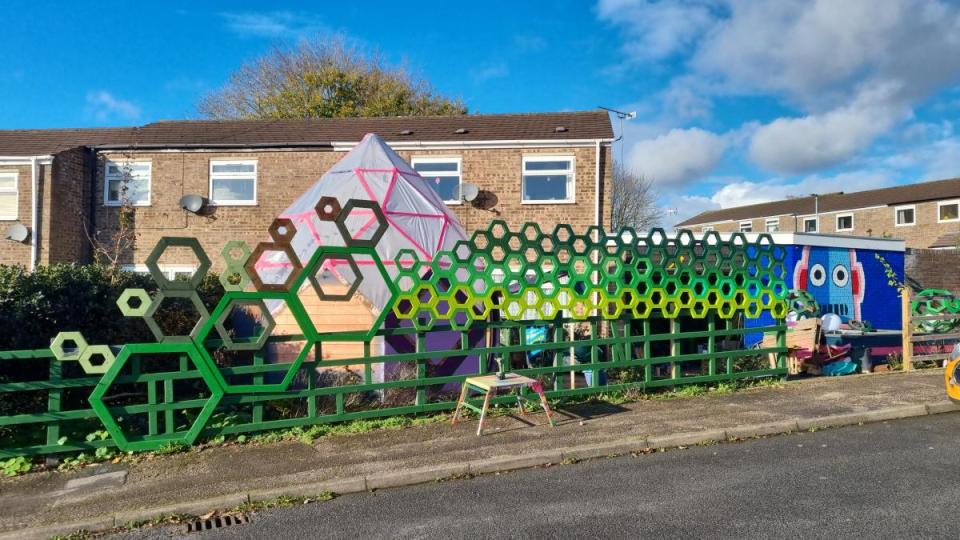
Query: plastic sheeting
<point>416,218</point>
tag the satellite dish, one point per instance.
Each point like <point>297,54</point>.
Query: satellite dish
<point>191,203</point>
<point>469,192</point>
<point>16,232</point>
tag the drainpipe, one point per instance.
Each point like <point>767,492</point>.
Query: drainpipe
<point>34,203</point>
<point>596,187</point>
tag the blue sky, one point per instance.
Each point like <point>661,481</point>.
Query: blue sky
<point>738,101</point>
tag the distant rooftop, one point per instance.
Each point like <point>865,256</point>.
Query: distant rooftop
<point>313,132</point>
<point>832,202</point>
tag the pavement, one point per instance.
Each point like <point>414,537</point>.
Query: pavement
<point>888,479</point>
<point>39,505</point>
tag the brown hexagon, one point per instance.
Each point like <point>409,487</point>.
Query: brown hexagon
<point>328,208</point>
<point>263,247</point>
<point>282,230</point>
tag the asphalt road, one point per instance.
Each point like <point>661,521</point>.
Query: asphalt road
<point>893,479</point>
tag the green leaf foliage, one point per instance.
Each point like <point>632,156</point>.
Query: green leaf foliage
<point>35,306</point>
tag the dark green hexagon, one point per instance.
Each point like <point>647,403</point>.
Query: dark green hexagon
<point>153,263</point>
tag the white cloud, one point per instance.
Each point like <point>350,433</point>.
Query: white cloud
<point>937,159</point>
<point>854,68</point>
<point>276,24</point>
<point>745,192</point>
<point>819,53</point>
<point>945,160</point>
<point>489,72</point>
<point>742,192</point>
<point>677,157</point>
<point>104,106</point>
<point>803,144</point>
<point>656,30</point>
<point>685,207</point>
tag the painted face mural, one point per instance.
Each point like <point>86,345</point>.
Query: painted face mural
<point>835,279</point>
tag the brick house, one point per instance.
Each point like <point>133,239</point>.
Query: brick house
<point>924,215</point>
<point>546,167</point>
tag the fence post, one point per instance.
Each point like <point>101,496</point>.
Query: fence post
<point>907,328</point>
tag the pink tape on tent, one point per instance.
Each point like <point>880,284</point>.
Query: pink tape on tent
<point>372,171</point>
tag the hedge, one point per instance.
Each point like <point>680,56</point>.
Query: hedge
<point>35,306</point>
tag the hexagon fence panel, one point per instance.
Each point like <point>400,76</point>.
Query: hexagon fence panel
<point>583,311</point>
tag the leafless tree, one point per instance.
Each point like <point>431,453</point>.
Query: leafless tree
<point>634,200</point>
<point>327,78</point>
<point>114,243</point>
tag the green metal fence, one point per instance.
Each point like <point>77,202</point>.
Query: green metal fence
<point>627,356</point>
<point>620,311</point>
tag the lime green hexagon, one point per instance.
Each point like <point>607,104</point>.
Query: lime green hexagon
<point>65,355</point>
<point>94,351</point>
<point>130,294</point>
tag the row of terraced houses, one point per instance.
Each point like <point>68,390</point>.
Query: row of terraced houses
<point>926,215</point>
<point>66,185</point>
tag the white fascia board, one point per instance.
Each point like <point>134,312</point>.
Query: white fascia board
<point>823,240</point>
<point>396,145</point>
<point>26,160</point>
<point>470,145</point>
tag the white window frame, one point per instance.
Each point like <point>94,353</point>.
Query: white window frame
<point>748,224</point>
<point>441,159</point>
<point>107,178</point>
<point>816,224</point>
<point>896,213</point>
<point>947,203</point>
<point>15,175</point>
<point>233,176</point>
<point>170,271</point>
<point>852,222</point>
<point>571,176</point>
<point>768,221</point>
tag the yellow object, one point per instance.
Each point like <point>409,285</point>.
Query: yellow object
<point>953,387</point>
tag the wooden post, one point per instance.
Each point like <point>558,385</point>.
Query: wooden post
<point>907,328</point>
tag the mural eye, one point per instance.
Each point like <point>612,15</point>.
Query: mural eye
<point>840,276</point>
<point>818,275</point>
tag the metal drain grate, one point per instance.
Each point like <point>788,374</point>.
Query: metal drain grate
<point>216,522</point>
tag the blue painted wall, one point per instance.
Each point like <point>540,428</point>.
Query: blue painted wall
<point>845,281</point>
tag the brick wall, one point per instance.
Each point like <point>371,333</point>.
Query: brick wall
<point>934,268</point>
<point>285,175</point>
<point>11,252</point>
<point>67,204</point>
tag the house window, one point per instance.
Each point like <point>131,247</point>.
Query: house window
<point>233,182</point>
<point>127,182</point>
<point>9,197</point>
<point>172,272</point>
<point>844,222</point>
<point>948,211</point>
<point>905,215</point>
<point>443,174</point>
<point>706,229</point>
<point>811,225</point>
<point>746,226</point>
<point>772,224</point>
<point>547,179</point>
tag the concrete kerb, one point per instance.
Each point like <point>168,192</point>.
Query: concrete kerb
<point>48,531</point>
<point>942,407</point>
<point>495,465</point>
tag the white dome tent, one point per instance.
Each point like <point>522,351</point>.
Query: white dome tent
<point>415,217</point>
